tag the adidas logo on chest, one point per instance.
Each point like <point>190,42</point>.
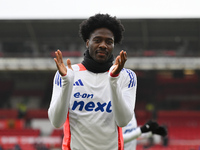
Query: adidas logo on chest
<point>78,83</point>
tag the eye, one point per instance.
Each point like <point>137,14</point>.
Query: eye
<point>96,40</point>
<point>109,42</point>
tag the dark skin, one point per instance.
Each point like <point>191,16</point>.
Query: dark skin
<point>100,45</point>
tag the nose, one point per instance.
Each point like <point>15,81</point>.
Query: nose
<point>103,45</point>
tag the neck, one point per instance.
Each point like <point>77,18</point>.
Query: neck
<point>95,67</point>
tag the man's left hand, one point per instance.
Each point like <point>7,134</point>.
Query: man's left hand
<point>119,62</point>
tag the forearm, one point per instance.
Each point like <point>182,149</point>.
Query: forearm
<point>122,105</point>
<point>59,106</point>
<point>136,134</point>
<point>132,135</point>
<point>145,135</point>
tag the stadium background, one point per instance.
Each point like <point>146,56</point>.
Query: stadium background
<point>164,53</point>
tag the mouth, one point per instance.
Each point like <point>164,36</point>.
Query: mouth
<point>101,53</point>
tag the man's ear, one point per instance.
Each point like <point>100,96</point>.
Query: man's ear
<point>87,43</point>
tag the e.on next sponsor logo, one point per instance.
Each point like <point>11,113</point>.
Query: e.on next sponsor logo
<point>91,106</point>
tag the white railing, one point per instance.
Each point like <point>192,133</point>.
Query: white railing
<point>140,63</point>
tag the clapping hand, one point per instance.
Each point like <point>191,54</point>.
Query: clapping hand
<point>60,64</point>
<point>119,62</point>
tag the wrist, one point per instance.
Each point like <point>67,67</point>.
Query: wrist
<point>63,75</point>
<point>113,75</point>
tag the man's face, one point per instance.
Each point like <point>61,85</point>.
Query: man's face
<point>101,44</point>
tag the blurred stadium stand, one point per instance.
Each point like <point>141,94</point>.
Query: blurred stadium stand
<point>164,53</point>
<point>143,37</point>
<point>168,42</point>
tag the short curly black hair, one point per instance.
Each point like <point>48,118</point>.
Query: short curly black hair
<point>101,21</point>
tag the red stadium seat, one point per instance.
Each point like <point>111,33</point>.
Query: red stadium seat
<point>27,147</point>
<point>179,118</point>
<point>8,113</point>
<point>19,132</point>
<point>143,116</point>
<point>57,132</point>
<point>36,113</point>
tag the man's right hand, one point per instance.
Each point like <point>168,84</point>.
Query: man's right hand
<point>60,64</point>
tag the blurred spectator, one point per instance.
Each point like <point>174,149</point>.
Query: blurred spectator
<point>150,107</point>
<point>150,143</point>
<point>165,139</point>
<point>22,109</point>
<point>17,147</point>
<point>40,146</point>
<point>11,124</point>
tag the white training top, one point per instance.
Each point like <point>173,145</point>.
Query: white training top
<point>132,133</point>
<point>92,107</point>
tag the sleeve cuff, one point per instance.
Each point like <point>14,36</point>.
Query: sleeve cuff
<point>113,75</point>
<point>63,75</point>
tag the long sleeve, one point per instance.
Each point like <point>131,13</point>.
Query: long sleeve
<point>59,106</point>
<point>132,135</point>
<point>123,96</point>
<point>136,134</point>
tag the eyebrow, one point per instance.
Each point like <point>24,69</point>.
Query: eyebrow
<point>101,37</point>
